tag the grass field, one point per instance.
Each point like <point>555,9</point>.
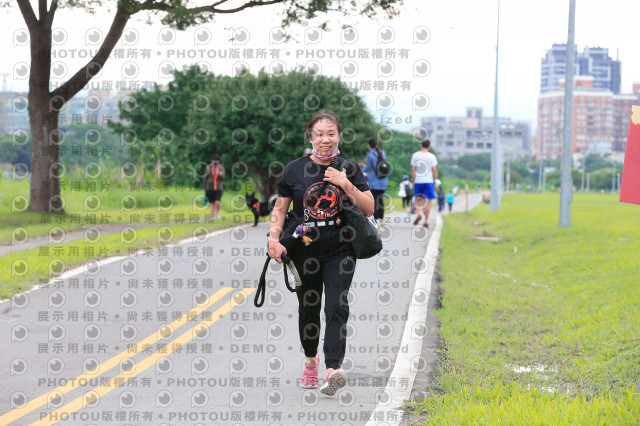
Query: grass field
<point>115,205</point>
<point>542,326</point>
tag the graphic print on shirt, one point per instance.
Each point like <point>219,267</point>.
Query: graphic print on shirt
<point>325,205</point>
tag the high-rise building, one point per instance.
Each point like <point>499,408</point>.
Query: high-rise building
<point>621,115</point>
<point>552,67</point>
<point>600,119</point>
<point>473,134</point>
<point>596,62</point>
<point>593,61</point>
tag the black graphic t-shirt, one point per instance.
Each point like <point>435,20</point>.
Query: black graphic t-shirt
<point>303,180</point>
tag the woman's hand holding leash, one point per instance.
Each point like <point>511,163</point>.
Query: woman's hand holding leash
<point>276,250</point>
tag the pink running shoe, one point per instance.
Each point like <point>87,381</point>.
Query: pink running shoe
<point>310,375</point>
<point>334,381</point>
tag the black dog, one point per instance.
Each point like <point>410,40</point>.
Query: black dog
<point>259,208</point>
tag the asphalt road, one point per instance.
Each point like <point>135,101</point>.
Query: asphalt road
<point>172,337</point>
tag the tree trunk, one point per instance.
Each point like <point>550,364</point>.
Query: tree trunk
<point>43,120</point>
<point>140,176</point>
<point>266,184</point>
<point>44,105</point>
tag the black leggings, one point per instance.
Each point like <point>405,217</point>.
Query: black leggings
<point>378,198</point>
<point>336,272</point>
<point>406,201</point>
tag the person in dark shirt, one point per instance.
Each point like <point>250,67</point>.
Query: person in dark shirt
<point>328,262</point>
<point>441,196</point>
<point>213,176</point>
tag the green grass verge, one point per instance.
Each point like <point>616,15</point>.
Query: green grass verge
<point>49,261</point>
<point>20,270</point>
<point>184,204</point>
<point>560,302</point>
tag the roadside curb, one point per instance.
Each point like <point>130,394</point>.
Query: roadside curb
<point>407,365</point>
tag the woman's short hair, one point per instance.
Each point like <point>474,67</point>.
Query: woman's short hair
<point>324,114</point>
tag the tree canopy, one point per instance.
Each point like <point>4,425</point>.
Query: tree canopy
<point>255,122</point>
<point>475,162</point>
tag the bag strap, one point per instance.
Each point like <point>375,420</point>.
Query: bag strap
<point>340,164</point>
<point>258,301</point>
<point>214,176</point>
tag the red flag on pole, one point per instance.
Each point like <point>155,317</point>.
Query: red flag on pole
<point>630,185</point>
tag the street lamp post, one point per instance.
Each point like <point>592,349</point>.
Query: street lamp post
<point>566,193</point>
<point>508,175</point>
<point>541,167</point>
<point>496,161</point>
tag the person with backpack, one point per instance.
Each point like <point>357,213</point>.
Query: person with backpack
<point>326,261</point>
<point>405,191</point>
<point>213,176</point>
<point>378,177</point>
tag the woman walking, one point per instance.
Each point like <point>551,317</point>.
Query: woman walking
<point>328,262</point>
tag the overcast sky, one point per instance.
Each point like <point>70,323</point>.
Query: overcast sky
<point>443,49</point>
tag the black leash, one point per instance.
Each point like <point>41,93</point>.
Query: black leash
<point>258,301</point>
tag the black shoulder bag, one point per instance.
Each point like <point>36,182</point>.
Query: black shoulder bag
<point>366,235</point>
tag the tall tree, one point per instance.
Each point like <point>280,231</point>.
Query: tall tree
<point>45,105</point>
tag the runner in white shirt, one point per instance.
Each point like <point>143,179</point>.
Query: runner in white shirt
<point>423,174</point>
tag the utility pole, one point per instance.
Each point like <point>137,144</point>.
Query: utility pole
<point>508,176</point>
<point>588,181</point>
<point>619,181</point>
<point>566,192</point>
<point>584,169</point>
<point>613,176</point>
<point>541,167</point>
<point>466,193</point>
<point>496,161</point>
